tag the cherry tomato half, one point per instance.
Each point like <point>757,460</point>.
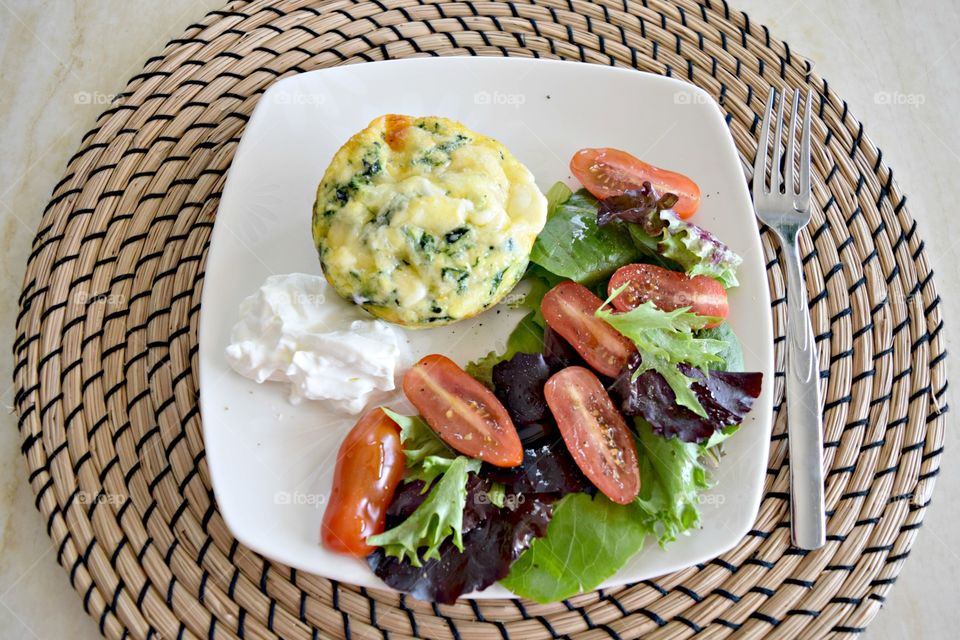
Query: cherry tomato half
<point>668,290</point>
<point>370,465</point>
<point>464,413</point>
<point>595,432</point>
<point>609,172</point>
<point>569,310</point>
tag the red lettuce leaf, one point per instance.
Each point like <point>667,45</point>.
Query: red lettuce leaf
<point>537,433</point>
<point>726,397</point>
<point>636,206</point>
<point>493,539</point>
<point>518,383</point>
<point>546,468</point>
<point>408,497</point>
<point>486,558</point>
<point>558,351</point>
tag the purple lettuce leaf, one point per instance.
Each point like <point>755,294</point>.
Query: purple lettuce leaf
<point>726,397</point>
<point>408,497</point>
<point>547,468</point>
<point>518,383</point>
<point>558,352</point>
<point>537,433</point>
<point>636,206</point>
<point>486,557</point>
<point>656,228</point>
<point>493,539</point>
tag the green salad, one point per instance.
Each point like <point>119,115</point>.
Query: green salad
<point>548,465</point>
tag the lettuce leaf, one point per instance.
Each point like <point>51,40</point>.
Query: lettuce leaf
<point>427,456</point>
<point>731,357</point>
<point>665,339</point>
<point>558,194</point>
<point>591,538</point>
<point>671,479</point>
<point>694,249</point>
<point>573,246</point>
<point>712,449</point>
<point>726,396</point>
<point>526,337</point>
<point>497,494</point>
<point>588,540</point>
<point>439,517</point>
<point>660,233</point>
<point>635,206</point>
<point>493,537</point>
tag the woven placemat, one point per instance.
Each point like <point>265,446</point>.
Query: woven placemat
<point>106,343</point>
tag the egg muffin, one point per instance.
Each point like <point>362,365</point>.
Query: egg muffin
<point>424,222</point>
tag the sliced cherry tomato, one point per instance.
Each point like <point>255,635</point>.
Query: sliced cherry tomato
<point>668,290</point>
<point>595,433</point>
<point>463,412</point>
<point>569,310</point>
<point>609,172</point>
<point>370,465</point>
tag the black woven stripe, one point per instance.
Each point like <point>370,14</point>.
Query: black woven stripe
<point>728,624</point>
<point>605,597</point>
<point>690,593</point>
<point>689,623</point>
<point>656,587</point>
<point>549,627</point>
<point>726,594</point>
<point>757,615</point>
<point>414,631</point>
<point>652,616</point>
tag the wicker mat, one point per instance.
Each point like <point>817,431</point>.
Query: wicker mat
<point>106,343</point>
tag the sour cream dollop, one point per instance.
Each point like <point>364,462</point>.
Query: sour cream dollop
<point>295,329</point>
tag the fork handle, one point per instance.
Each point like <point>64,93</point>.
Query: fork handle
<point>804,420</point>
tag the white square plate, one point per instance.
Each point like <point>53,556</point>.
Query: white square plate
<point>271,463</point>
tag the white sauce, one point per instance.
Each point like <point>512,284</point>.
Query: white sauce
<point>295,329</point>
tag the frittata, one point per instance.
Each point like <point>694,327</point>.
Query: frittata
<point>424,222</point>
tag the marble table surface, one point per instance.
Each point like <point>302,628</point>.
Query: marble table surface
<point>894,61</point>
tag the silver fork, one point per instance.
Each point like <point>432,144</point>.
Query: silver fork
<point>786,214</point>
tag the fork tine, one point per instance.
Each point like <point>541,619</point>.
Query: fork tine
<point>777,149</point>
<point>760,162</point>
<point>805,151</point>
<point>788,187</point>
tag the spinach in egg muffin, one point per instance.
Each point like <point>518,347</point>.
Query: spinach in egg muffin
<point>425,222</point>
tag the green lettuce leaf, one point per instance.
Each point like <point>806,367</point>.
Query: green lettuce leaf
<point>588,540</point>
<point>712,449</point>
<point>427,456</point>
<point>558,194</point>
<point>497,494</point>
<point>526,337</point>
<point>664,339</point>
<point>439,517</point>
<point>574,247</point>
<point>691,248</point>
<point>731,357</point>
<point>671,479</point>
